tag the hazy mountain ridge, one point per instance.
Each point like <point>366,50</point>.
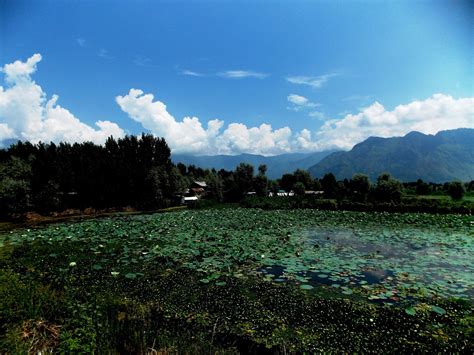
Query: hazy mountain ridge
<point>276,165</point>
<point>446,156</point>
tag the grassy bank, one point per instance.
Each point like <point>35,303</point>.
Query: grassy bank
<point>408,204</point>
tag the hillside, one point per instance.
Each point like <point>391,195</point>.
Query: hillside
<point>446,156</point>
<point>276,165</point>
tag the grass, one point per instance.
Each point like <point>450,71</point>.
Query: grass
<point>467,197</point>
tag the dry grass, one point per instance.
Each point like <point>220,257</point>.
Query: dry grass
<point>41,336</point>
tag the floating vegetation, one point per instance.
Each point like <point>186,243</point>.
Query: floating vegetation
<point>411,263</point>
<point>385,257</point>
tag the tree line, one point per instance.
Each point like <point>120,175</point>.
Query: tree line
<point>138,172</point>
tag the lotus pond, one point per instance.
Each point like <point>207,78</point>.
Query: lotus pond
<point>400,281</point>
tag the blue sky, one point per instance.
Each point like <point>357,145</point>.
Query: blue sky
<point>336,70</point>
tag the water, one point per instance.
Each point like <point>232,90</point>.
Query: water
<point>384,264</point>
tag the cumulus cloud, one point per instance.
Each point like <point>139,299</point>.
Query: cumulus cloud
<point>153,115</point>
<point>190,136</point>
<point>436,113</point>
<point>257,140</point>
<point>5,132</point>
<point>313,81</point>
<point>239,74</point>
<point>439,112</point>
<point>27,114</point>
<point>20,72</point>
<point>300,102</point>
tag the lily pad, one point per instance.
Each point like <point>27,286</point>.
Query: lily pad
<point>410,311</point>
<point>439,310</point>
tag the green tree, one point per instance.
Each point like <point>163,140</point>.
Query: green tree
<point>273,186</point>
<point>470,186</point>
<point>287,182</point>
<point>299,188</point>
<point>158,185</point>
<point>360,186</point>
<point>329,185</point>
<point>388,189</point>
<point>15,190</point>
<point>303,177</point>
<point>260,183</point>
<point>243,177</point>
<point>456,190</point>
<point>215,185</point>
<point>422,188</point>
<point>317,185</point>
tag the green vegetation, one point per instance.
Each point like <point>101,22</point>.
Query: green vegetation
<point>456,190</point>
<point>240,280</point>
<point>136,173</point>
<point>299,273</point>
<point>408,204</point>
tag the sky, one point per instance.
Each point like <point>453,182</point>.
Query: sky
<point>230,77</point>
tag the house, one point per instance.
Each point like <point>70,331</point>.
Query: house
<point>188,199</point>
<point>310,192</point>
<point>284,193</point>
<point>198,187</point>
<point>199,184</point>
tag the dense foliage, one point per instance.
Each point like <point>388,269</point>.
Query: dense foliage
<point>127,171</point>
<point>137,172</point>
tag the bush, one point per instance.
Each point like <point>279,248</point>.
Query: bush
<point>456,190</point>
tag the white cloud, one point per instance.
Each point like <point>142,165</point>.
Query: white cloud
<point>239,74</point>
<point>238,138</point>
<point>300,102</point>
<point>191,73</point>
<point>81,42</point>
<point>104,53</point>
<point>297,99</point>
<point>303,140</point>
<point>141,61</point>
<point>317,115</point>
<point>19,71</point>
<point>5,132</point>
<point>190,136</point>
<point>27,114</point>
<point>313,81</point>
<point>439,112</point>
<point>436,113</point>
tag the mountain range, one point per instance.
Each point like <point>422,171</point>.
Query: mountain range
<point>445,156</point>
<point>276,165</point>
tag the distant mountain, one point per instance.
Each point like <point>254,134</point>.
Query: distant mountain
<point>446,156</point>
<point>276,165</point>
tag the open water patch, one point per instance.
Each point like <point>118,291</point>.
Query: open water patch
<point>382,264</point>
